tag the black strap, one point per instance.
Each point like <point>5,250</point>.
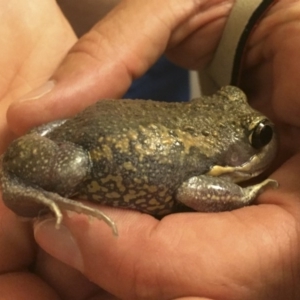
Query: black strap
<point>239,54</point>
<point>225,68</point>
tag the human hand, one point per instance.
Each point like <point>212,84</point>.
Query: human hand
<point>271,72</point>
<point>34,38</point>
<point>106,60</point>
<point>249,253</point>
<point>33,56</point>
<point>262,225</point>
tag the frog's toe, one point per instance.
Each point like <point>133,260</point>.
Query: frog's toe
<point>251,192</point>
<point>72,205</point>
<point>270,183</point>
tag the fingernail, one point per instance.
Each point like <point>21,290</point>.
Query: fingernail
<point>38,92</point>
<point>58,242</point>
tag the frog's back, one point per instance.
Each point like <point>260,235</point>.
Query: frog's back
<point>141,151</point>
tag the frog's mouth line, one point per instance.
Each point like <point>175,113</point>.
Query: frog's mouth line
<point>252,168</point>
<point>236,174</point>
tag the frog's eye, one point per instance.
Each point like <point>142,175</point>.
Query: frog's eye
<point>261,135</point>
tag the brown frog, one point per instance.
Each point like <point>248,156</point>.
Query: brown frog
<point>154,157</point>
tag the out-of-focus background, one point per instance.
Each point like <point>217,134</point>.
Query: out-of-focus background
<point>164,81</point>
<point>194,85</point>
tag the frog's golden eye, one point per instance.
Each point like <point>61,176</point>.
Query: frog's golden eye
<point>261,134</point>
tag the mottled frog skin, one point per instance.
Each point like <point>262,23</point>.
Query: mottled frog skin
<point>154,157</point>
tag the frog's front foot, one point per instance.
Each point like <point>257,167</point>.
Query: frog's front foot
<point>251,192</point>
<point>212,194</point>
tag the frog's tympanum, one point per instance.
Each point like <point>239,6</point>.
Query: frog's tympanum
<point>154,157</point>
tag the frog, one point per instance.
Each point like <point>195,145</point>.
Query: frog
<point>155,157</point>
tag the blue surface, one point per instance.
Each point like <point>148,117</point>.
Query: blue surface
<point>164,82</point>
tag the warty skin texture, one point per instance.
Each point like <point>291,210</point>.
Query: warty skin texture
<point>143,155</point>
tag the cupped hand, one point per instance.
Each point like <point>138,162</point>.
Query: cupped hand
<point>271,72</point>
<point>251,253</point>
<point>34,39</point>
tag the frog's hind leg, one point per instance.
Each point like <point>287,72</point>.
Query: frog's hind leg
<point>212,194</point>
<point>44,129</point>
<point>31,202</point>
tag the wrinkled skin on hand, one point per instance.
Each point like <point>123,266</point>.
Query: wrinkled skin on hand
<point>251,253</point>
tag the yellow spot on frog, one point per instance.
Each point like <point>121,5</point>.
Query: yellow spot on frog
<point>112,195</point>
<point>140,201</point>
<point>97,198</point>
<point>129,166</point>
<point>93,187</point>
<point>168,199</point>
<point>159,207</point>
<point>100,153</point>
<point>137,180</point>
<point>163,192</point>
<point>123,145</point>
<point>153,202</point>
<point>107,152</point>
<point>117,179</point>
<point>134,195</point>
<point>150,188</point>
<point>132,134</point>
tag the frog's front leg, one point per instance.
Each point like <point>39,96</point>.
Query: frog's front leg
<point>211,194</point>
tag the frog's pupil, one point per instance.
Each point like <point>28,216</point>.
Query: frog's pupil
<point>262,135</point>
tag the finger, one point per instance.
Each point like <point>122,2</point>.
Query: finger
<point>17,247</point>
<point>34,38</point>
<point>66,281</point>
<point>104,62</point>
<point>166,258</point>
<point>272,62</point>
<point>287,195</point>
<point>17,252</point>
<point>192,298</point>
<point>23,285</point>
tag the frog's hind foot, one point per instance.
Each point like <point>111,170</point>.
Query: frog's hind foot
<point>56,203</point>
<point>30,202</point>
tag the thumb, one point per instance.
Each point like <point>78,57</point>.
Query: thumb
<point>103,62</point>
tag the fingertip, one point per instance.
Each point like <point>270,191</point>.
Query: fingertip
<point>59,242</point>
<point>52,101</point>
<point>71,89</point>
<point>39,92</point>
<point>83,236</point>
